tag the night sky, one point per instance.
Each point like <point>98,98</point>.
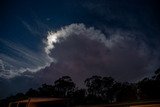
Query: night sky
<point>42,40</point>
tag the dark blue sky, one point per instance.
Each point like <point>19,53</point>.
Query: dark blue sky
<point>119,38</point>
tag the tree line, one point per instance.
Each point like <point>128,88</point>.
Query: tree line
<point>98,90</point>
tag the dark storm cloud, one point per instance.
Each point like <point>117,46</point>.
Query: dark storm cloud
<point>82,52</point>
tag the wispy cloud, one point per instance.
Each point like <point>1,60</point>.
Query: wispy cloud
<point>21,59</point>
<point>30,28</point>
<point>6,70</point>
<point>37,27</point>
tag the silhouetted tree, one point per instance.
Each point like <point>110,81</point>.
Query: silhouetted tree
<point>126,92</point>
<point>4,103</point>
<point>78,96</point>
<point>99,90</point>
<point>157,75</point>
<point>149,89</point>
<point>46,90</point>
<point>94,85</point>
<point>18,96</point>
<point>64,86</point>
<point>32,93</point>
<point>114,90</point>
<point>107,84</point>
<point>94,89</point>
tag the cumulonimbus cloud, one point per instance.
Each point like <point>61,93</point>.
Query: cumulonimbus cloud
<point>86,51</point>
<point>78,48</point>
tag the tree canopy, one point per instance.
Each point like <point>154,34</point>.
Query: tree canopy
<point>98,90</point>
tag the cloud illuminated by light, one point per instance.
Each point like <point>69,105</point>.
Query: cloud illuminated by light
<point>117,42</point>
<point>73,29</point>
<point>78,48</point>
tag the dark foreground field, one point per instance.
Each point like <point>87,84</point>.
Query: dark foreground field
<point>133,104</point>
<point>144,105</point>
<point>149,105</point>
